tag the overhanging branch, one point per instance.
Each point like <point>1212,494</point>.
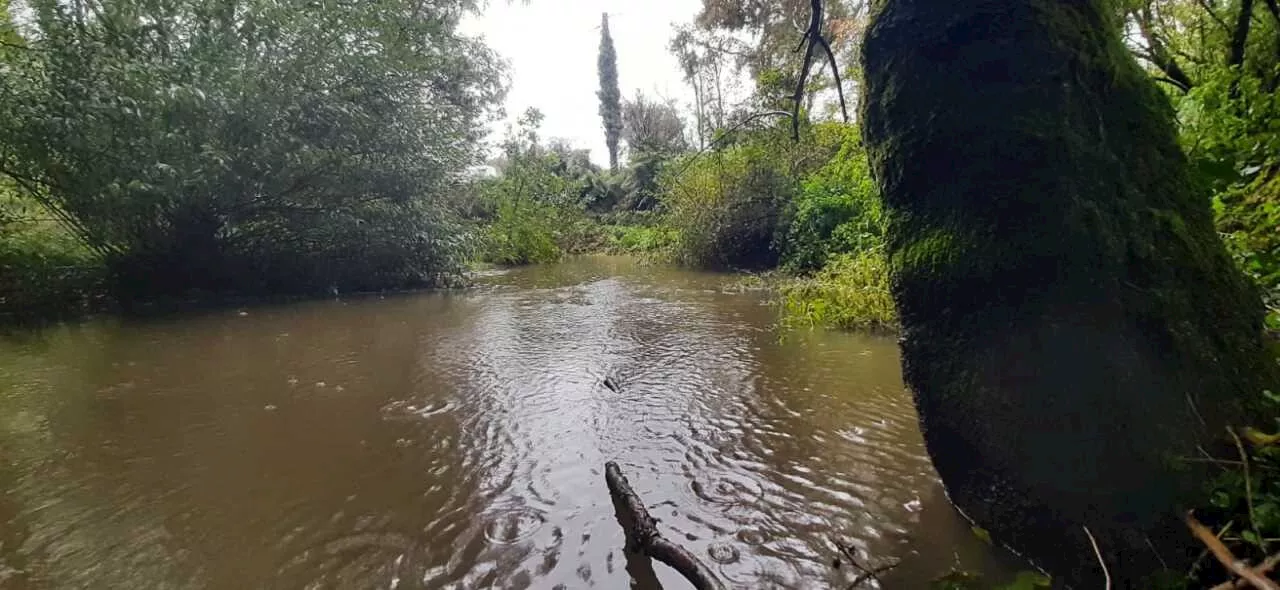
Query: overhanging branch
<point>813,38</point>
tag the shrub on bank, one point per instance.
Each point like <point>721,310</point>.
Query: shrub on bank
<point>189,159</point>
<point>726,206</point>
<point>43,269</point>
<point>837,209</point>
<point>641,239</point>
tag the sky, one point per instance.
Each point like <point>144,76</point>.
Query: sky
<point>551,48</point>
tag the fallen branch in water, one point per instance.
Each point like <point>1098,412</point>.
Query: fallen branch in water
<point>643,536</point>
<point>868,573</point>
<point>1228,559</point>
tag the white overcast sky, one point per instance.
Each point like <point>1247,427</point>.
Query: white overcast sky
<point>551,48</point>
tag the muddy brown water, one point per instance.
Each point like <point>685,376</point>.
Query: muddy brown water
<point>458,441</point>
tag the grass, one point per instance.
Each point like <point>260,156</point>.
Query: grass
<point>851,292</point>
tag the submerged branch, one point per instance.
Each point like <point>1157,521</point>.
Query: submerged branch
<point>643,536</point>
<point>868,573</point>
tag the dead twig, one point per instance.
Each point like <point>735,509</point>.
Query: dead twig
<point>868,573</point>
<point>1248,486</point>
<point>1098,553</point>
<point>1226,558</point>
<point>813,39</point>
<point>1195,565</point>
<point>1263,569</point>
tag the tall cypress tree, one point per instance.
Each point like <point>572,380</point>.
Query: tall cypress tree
<point>610,96</point>
<point>1071,321</point>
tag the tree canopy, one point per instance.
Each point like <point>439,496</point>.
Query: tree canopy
<point>262,145</point>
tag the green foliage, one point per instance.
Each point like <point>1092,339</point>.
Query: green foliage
<point>837,210</point>
<point>1244,498</point>
<point>639,239</point>
<point>534,211</point>
<point>1231,129</point>
<point>850,292</point>
<point>727,206</point>
<point>523,232</point>
<point>44,270</point>
<point>282,146</point>
<point>1227,72</point>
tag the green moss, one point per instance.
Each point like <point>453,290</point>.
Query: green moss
<point>936,250</point>
<point>1069,314</point>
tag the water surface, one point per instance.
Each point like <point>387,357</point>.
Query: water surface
<point>458,441</point>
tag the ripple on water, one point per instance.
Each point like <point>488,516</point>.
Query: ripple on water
<point>513,526</point>
<point>409,410</point>
<point>726,489</point>
<point>723,553</point>
<point>754,536</point>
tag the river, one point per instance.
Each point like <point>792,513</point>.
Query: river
<point>457,440</point>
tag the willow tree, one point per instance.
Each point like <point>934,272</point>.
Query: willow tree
<point>1071,322</point>
<point>258,146</point>
<point>610,96</point>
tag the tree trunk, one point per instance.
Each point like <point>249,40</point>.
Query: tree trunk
<point>1071,321</point>
<point>1240,35</point>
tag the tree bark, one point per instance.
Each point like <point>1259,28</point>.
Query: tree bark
<point>1071,322</point>
<point>1240,34</point>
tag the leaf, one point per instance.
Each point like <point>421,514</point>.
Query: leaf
<point>981,533</point>
<point>1259,438</point>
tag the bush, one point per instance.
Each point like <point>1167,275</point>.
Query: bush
<point>304,153</point>
<point>837,210</point>
<point>44,270</point>
<point>850,292</point>
<point>726,206</point>
<point>523,232</point>
<point>637,239</point>
<point>1231,130</point>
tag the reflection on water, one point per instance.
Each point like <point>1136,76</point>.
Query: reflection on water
<point>458,441</point>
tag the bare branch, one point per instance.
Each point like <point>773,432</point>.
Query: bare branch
<point>1213,15</point>
<point>1157,53</point>
<point>1225,557</point>
<point>835,71</point>
<point>815,29</point>
<point>1263,569</point>
<point>1101,562</point>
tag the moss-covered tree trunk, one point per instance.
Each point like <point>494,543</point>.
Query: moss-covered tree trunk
<point>1071,321</point>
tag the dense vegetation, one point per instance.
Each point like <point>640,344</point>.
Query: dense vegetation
<point>258,147</point>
